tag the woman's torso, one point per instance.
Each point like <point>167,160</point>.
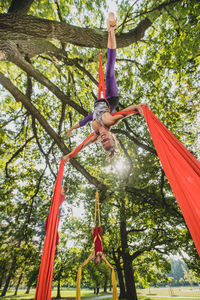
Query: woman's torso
<point>101,109</point>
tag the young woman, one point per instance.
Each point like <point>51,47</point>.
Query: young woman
<point>102,120</point>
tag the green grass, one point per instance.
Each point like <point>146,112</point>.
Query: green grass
<point>65,294</point>
<point>162,298</point>
<point>69,294</point>
<point>171,291</point>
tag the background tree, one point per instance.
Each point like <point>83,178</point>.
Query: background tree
<point>49,64</point>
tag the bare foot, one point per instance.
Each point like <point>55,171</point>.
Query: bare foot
<point>111,21</point>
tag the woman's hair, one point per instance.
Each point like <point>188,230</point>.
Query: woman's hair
<point>114,149</point>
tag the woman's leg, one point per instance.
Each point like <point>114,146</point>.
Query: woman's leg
<point>111,85</point>
<point>111,26</point>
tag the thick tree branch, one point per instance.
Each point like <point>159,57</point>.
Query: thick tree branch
<point>19,96</point>
<point>15,57</point>
<point>26,27</point>
<point>34,34</point>
<point>29,48</point>
<point>20,6</point>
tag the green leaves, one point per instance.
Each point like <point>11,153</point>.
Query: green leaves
<point>162,70</point>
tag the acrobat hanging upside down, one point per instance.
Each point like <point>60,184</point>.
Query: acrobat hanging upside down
<point>97,254</point>
<point>98,248</point>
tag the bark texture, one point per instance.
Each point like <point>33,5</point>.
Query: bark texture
<point>26,27</point>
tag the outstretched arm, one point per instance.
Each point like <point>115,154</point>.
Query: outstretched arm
<point>80,124</point>
<point>111,120</point>
<point>91,140</point>
<point>69,132</point>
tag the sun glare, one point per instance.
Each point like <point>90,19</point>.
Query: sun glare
<point>120,165</point>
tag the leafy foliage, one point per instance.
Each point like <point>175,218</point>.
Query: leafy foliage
<point>161,70</point>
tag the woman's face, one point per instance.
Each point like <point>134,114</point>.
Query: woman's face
<point>106,140</point>
<point>97,260</point>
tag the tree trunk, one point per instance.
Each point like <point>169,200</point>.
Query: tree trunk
<point>18,283</point>
<point>28,289</point>
<point>58,289</point>
<point>20,6</point>
<point>12,269</point>
<point>127,261</point>
<point>129,277</point>
<point>122,294</point>
<point>105,283</point>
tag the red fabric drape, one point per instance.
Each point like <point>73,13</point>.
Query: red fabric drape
<point>97,239</point>
<point>62,198</point>
<point>44,282</point>
<point>78,149</point>
<point>182,170</point>
<point>101,79</point>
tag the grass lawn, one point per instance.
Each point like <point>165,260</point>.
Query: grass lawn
<point>171,291</point>
<point>143,294</point>
<point>65,294</point>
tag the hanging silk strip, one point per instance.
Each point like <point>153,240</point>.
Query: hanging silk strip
<point>101,80</point>
<point>182,170</point>
<point>44,282</point>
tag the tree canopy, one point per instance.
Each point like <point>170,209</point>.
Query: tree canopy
<point>49,81</point>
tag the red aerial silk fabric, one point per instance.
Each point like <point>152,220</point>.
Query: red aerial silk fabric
<point>78,149</point>
<point>182,170</point>
<point>101,80</point>
<point>62,198</point>
<point>97,239</point>
<point>44,282</point>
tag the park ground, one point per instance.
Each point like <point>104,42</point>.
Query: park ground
<point>151,293</point>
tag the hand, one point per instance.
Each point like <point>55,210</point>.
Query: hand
<point>139,108</point>
<point>66,157</point>
<point>69,132</point>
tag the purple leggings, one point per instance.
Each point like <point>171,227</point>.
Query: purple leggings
<point>111,85</point>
